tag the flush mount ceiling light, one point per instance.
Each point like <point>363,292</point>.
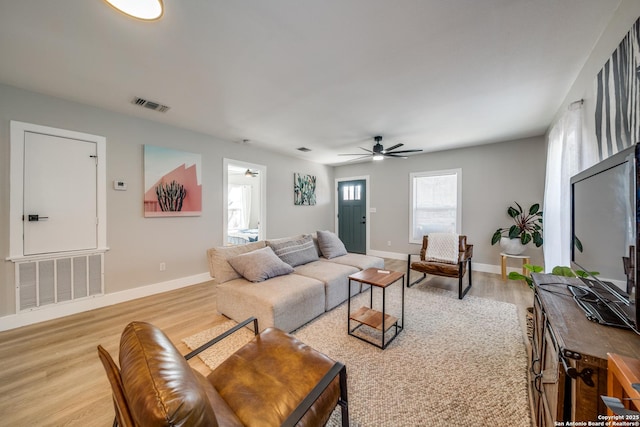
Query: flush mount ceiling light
<point>147,10</point>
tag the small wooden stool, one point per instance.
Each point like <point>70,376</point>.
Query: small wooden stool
<point>525,260</point>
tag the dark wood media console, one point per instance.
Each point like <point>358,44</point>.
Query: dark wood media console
<point>568,363</point>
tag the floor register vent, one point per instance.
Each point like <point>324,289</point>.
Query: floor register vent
<point>52,281</point>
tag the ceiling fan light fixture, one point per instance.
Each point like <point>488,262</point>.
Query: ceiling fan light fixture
<point>378,152</point>
<point>248,173</point>
<point>146,10</point>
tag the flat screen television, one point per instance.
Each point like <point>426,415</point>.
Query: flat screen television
<point>605,212</point>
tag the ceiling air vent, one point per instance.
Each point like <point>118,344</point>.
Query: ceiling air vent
<point>303,149</point>
<point>152,105</point>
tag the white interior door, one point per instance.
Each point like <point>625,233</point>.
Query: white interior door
<point>60,203</point>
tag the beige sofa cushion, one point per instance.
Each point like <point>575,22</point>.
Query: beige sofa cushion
<point>335,278</point>
<point>286,302</point>
<point>219,267</point>
<point>358,260</point>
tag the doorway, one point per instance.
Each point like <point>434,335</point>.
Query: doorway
<point>352,218</point>
<point>244,202</point>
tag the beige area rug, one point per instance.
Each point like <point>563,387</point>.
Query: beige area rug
<point>457,362</point>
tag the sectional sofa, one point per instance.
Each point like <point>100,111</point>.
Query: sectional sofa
<point>285,282</point>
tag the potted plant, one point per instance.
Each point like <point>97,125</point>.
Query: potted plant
<point>527,228</point>
<point>558,270</point>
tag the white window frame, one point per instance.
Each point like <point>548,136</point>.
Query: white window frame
<point>412,177</point>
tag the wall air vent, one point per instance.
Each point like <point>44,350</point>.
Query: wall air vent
<point>303,149</point>
<point>152,105</point>
<point>55,280</point>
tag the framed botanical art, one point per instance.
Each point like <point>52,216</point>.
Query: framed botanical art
<point>172,182</point>
<point>304,189</point>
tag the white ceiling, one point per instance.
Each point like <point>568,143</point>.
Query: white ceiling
<point>323,74</point>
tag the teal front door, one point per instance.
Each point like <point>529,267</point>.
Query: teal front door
<point>352,215</point>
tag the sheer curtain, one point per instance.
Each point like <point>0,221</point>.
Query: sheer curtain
<point>239,206</point>
<point>246,206</point>
<point>564,159</point>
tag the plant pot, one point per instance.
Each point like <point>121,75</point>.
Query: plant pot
<point>512,246</point>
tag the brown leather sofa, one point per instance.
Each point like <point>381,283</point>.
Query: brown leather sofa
<point>465,253</point>
<point>273,380</point>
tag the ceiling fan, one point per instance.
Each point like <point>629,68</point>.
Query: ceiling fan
<point>379,152</point>
<point>251,174</point>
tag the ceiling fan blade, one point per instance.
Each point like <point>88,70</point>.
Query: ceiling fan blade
<point>405,151</point>
<point>358,154</point>
<point>395,155</point>
<point>359,158</point>
<point>393,148</point>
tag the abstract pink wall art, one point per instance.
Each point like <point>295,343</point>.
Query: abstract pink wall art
<point>172,182</point>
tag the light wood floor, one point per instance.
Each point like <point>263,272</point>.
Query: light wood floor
<point>50,374</point>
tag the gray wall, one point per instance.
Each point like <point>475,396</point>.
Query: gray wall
<point>138,244</point>
<point>493,177</point>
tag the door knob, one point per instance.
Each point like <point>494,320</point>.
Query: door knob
<point>36,217</point>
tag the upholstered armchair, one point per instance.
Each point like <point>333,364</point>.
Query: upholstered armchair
<point>273,380</point>
<point>455,269</point>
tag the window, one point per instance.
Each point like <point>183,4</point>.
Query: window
<point>436,203</point>
<point>351,192</point>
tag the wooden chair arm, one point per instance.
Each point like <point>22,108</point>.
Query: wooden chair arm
<point>223,336</point>
<point>410,255</point>
<point>468,253</point>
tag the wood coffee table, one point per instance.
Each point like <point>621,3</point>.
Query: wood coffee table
<point>378,320</point>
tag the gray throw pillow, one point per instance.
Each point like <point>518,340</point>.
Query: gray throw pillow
<point>295,251</point>
<point>259,265</point>
<point>330,245</point>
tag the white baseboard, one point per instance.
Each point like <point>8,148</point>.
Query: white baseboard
<point>73,307</point>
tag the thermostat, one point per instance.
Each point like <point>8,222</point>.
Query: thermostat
<point>119,185</point>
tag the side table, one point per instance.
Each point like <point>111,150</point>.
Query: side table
<point>379,320</point>
<point>525,260</point>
